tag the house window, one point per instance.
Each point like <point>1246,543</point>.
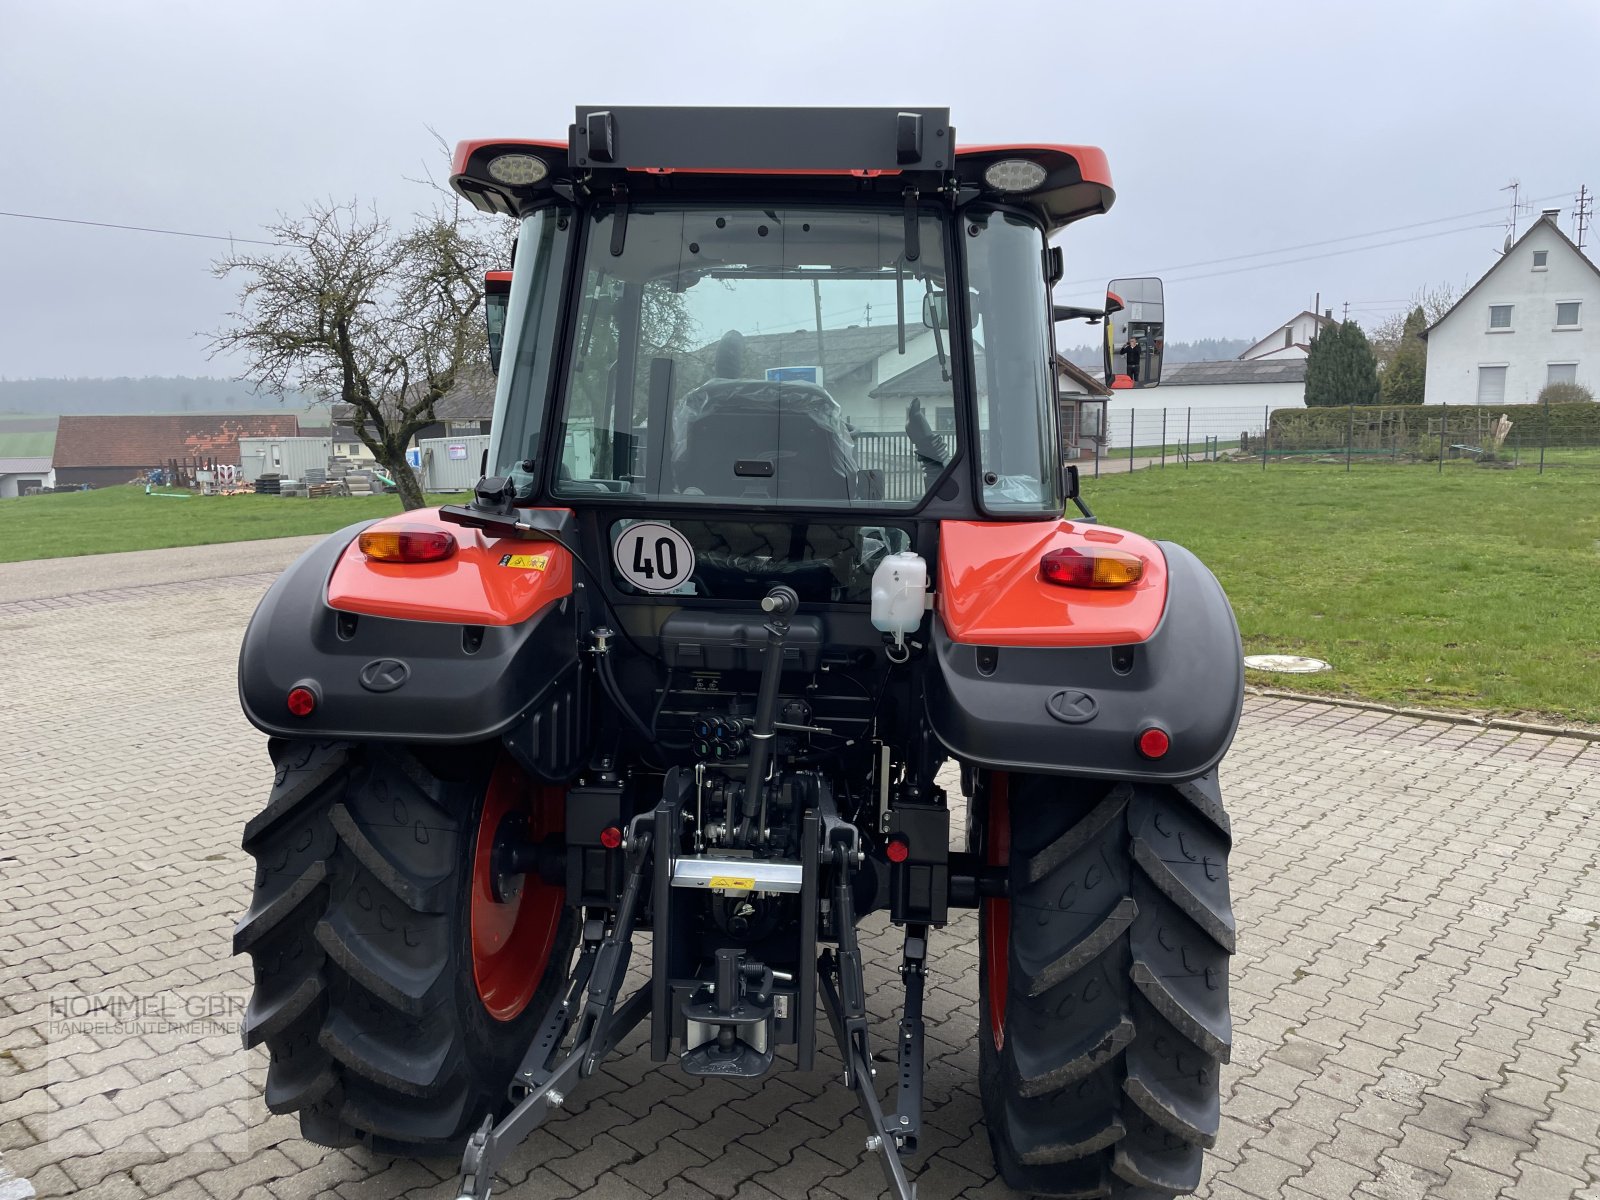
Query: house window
<point>1541,260</point>
<point>1499,316</point>
<point>1491,385</point>
<point>1562,373</point>
<point>1567,314</point>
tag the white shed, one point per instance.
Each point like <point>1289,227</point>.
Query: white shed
<point>1209,399</point>
<point>17,475</point>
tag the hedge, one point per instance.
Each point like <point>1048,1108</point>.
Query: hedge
<point>1408,426</point>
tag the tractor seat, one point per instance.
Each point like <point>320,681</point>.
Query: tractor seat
<point>762,439</point>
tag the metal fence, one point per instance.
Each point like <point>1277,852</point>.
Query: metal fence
<point>1536,437</point>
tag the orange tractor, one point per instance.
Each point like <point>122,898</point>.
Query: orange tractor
<point>770,553</point>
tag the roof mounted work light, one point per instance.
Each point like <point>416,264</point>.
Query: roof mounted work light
<point>517,170</point>
<point>1014,175</point>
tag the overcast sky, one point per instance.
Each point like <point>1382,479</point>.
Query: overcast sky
<point>1231,129</point>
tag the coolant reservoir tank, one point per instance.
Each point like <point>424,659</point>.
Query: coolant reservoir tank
<point>899,590</point>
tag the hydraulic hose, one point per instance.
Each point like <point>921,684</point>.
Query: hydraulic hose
<point>608,682</point>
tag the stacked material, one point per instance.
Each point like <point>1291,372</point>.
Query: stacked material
<point>267,485</point>
<point>359,483</point>
<point>291,487</point>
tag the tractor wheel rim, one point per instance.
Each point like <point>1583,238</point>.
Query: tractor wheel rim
<point>996,911</point>
<point>512,939</point>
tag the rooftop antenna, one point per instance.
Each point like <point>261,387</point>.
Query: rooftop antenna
<point>1582,210</point>
<point>1515,188</point>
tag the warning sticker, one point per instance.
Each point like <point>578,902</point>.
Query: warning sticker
<point>528,562</point>
<point>732,882</point>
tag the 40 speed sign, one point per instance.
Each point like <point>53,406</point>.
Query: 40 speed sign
<point>653,557</point>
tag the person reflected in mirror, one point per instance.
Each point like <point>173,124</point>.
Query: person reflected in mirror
<point>1131,351</point>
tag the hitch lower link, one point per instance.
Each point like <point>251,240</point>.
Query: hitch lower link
<point>541,1083</point>
<point>588,1008</point>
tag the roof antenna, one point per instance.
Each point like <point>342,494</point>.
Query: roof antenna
<point>1515,188</point>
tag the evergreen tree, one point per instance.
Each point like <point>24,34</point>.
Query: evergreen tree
<point>1403,378</point>
<point>1341,368</point>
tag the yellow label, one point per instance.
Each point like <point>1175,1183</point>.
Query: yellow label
<point>528,562</point>
<point>736,883</point>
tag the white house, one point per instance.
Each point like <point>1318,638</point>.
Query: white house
<point>1292,339</point>
<point>1533,319</point>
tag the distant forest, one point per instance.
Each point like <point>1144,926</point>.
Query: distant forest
<point>152,394</point>
<point>1203,350</point>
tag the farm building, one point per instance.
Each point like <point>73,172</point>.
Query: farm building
<point>108,450</point>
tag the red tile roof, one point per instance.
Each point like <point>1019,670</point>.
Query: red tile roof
<point>138,442</point>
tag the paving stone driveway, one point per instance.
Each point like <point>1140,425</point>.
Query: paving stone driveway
<point>1415,995</point>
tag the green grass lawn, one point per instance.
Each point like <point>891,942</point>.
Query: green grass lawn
<point>124,518</point>
<point>1475,589</point>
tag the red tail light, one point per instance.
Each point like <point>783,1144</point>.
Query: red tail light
<point>1091,567</point>
<point>403,543</point>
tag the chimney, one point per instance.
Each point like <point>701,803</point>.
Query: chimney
<point>1328,315</point>
<point>1550,214</point>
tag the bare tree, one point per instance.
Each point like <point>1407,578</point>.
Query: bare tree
<point>1387,335</point>
<point>352,311</point>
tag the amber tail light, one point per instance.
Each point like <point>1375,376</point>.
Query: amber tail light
<point>1091,567</point>
<point>408,545</point>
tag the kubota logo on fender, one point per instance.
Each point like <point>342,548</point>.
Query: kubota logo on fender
<point>1072,706</point>
<point>384,674</point>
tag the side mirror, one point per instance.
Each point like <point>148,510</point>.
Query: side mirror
<point>1135,332</point>
<point>496,300</point>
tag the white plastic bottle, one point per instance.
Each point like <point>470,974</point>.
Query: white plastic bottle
<point>899,594</point>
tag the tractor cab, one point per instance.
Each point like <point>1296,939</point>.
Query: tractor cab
<point>854,318</point>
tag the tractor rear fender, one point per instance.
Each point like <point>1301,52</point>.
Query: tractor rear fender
<point>421,652</point>
<point>1079,709</point>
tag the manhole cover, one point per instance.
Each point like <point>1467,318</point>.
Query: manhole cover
<point>1286,664</point>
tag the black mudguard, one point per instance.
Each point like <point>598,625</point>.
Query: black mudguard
<point>458,683</point>
<point>1080,710</point>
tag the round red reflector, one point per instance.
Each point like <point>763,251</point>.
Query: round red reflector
<point>898,850</point>
<point>301,701</point>
<point>611,837</point>
<point>1153,743</point>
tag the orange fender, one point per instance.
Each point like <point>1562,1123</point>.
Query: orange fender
<point>992,594</point>
<point>487,581</point>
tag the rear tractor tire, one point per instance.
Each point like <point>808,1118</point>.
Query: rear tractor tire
<point>1104,989</point>
<point>395,992</point>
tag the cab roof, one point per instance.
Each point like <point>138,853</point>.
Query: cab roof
<point>686,151</point>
